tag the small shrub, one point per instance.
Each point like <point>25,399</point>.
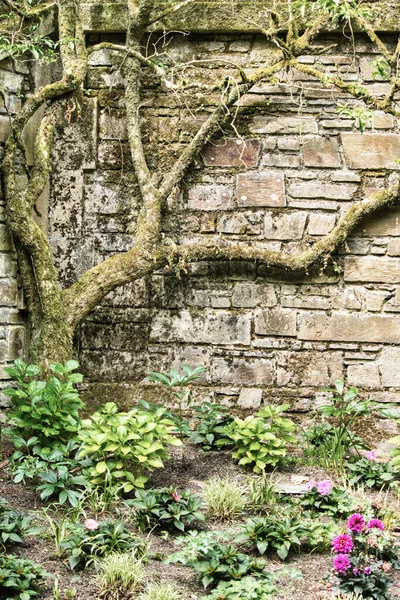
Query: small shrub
<point>160,591</point>
<point>211,421</point>
<point>369,472</point>
<point>121,575</point>
<point>327,498</point>
<point>225,498</point>
<point>13,525</point>
<point>123,445</point>
<point>20,578</point>
<point>247,588</point>
<point>260,440</point>
<point>47,410</point>
<point>92,540</point>
<point>165,508</point>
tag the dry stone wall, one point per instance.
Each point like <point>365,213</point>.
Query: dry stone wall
<point>280,178</point>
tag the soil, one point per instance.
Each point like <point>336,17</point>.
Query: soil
<point>190,473</point>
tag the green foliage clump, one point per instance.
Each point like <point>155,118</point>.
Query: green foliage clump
<point>165,509</point>
<point>336,503</point>
<point>371,473</point>
<point>46,410</point>
<point>225,498</point>
<point>247,588</point>
<point>121,575</point>
<point>260,439</point>
<point>211,421</point>
<point>123,445</point>
<point>20,578</point>
<point>160,591</point>
<point>14,526</point>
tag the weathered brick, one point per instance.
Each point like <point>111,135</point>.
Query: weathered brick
<point>372,269</point>
<point>363,375</point>
<point>320,224</point>
<point>374,300</point>
<point>250,398</point>
<point>243,371</point>
<point>113,126</point>
<point>290,161</point>
<point>289,143</point>
<point>285,226</point>
<point>346,327</point>
<point>260,189</point>
<point>249,295</point>
<point>309,368</point>
<point>275,321</point>
<point>321,152</point>
<point>393,247</point>
<point>371,151</point>
<point>105,58</point>
<point>210,197</point>
<point>322,190</point>
<point>208,328</point>
<point>349,298</point>
<point>232,153</point>
<point>238,223</point>
<point>294,125</point>
<point>389,364</point>
<point>385,223</point>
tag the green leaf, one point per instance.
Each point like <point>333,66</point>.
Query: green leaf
<point>101,467</point>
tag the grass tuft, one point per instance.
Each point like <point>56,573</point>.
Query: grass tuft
<point>121,575</point>
<point>226,499</point>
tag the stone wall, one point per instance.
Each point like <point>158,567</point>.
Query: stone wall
<point>281,178</point>
<point>14,79</point>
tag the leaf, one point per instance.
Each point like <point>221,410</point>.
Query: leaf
<point>101,467</point>
<point>282,552</point>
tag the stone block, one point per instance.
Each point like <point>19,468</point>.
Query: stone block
<point>16,338</point>
<point>232,153</point>
<point>289,143</point>
<point>106,57</point>
<point>389,361</point>
<point>8,266</point>
<point>383,121</point>
<point>371,151</point>
<point>372,269</point>
<point>320,224</point>
<point>260,189</point>
<point>11,82</point>
<point>243,371</point>
<point>219,327</point>
<point>238,223</point>
<point>349,298</point>
<point>344,327</point>
<point>309,368</point>
<point>285,226</point>
<point>393,247</point>
<point>249,295</point>
<point>290,125</point>
<point>321,152</point>
<point>384,223</point>
<point>113,126</point>
<point>374,300</point>
<point>288,161</point>
<point>8,292</point>
<point>6,244</point>
<point>210,197</point>
<point>5,128</point>
<point>275,321</point>
<point>250,398</point>
<point>363,375</point>
<point>315,189</point>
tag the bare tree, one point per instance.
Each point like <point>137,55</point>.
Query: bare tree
<point>55,312</point>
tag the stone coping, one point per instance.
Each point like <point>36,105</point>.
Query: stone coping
<point>213,16</point>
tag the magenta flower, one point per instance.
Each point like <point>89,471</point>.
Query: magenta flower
<point>375,524</point>
<point>91,524</point>
<point>311,484</point>
<point>367,571</point>
<point>324,487</point>
<point>356,571</point>
<point>370,455</point>
<point>342,544</point>
<point>341,563</point>
<point>356,523</point>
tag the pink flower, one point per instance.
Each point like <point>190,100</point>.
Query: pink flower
<point>356,571</point>
<point>175,496</point>
<point>375,524</point>
<point>91,524</point>
<point>311,484</point>
<point>367,571</point>
<point>342,544</point>
<point>356,523</point>
<point>370,455</point>
<point>341,563</point>
<point>324,487</point>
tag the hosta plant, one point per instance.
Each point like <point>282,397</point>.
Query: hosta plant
<point>260,440</point>
<point>20,578</point>
<point>247,588</point>
<point>124,445</point>
<point>14,526</point>
<point>327,498</point>
<point>369,472</point>
<point>95,539</point>
<point>165,508</point>
<point>48,410</point>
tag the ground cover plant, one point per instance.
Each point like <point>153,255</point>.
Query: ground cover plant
<point>220,537</point>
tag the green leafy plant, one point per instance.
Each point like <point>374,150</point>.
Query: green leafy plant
<point>380,68</point>
<point>340,11</point>
<point>362,114</point>
<point>327,498</point>
<point>197,542</point>
<point>123,445</point>
<point>368,471</point>
<point>14,526</point>
<point>260,439</point>
<point>211,420</point>
<point>121,575</point>
<point>179,386</point>
<point>262,492</point>
<point>165,508</point>
<point>247,588</point>
<point>92,540</point>
<point>47,410</point>
<point>225,498</point>
<point>346,407</point>
<point>20,578</point>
